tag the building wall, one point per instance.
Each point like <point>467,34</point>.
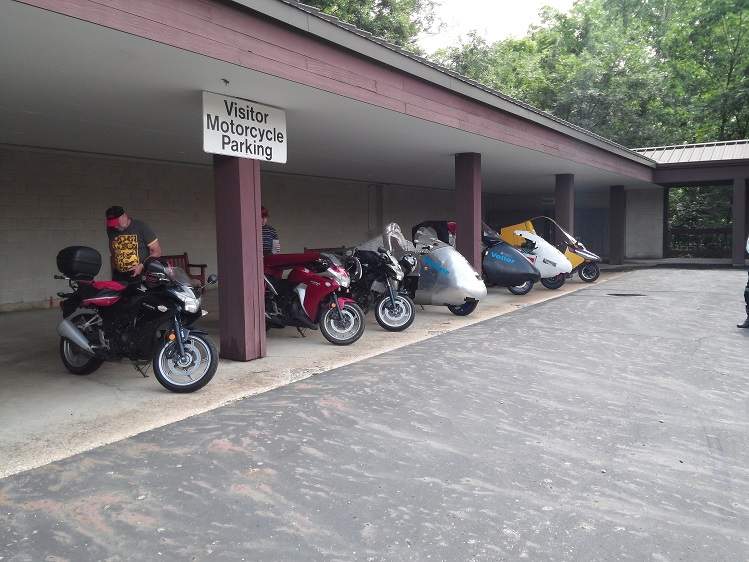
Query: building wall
<point>52,200</point>
<point>644,224</point>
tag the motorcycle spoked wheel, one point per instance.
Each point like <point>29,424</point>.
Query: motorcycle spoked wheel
<point>589,272</point>
<point>73,357</point>
<point>553,282</point>
<point>464,309</point>
<point>395,317</point>
<point>523,289</point>
<point>191,372</point>
<point>344,328</point>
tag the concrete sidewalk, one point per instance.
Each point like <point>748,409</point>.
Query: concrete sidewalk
<point>47,414</point>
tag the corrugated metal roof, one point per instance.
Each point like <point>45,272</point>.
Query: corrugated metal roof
<point>704,152</point>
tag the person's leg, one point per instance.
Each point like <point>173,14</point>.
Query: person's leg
<point>746,301</point>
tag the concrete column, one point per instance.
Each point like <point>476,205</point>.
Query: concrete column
<point>564,206</point>
<point>738,244</point>
<point>617,224</point>
<point>468,206</point>
<point>239,252</point>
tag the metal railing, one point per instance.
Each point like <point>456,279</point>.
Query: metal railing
<point>699,243</point>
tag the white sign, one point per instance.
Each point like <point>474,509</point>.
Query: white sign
<point>548,200</point>
<point>241,128</point>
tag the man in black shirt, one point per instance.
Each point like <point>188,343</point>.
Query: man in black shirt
<point>131,242</point>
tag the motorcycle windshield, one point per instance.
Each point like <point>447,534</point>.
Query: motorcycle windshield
<point>489,236</point>
<point>571,239</point>
<point>180,277</point>
<point>332,258</point>
<point>426,236</point>
<point>394,241</point>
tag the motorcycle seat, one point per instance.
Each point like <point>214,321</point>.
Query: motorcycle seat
<point>112,285</point>
<point>101,293</point>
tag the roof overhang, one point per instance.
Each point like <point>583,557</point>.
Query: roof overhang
<point>73,85</point>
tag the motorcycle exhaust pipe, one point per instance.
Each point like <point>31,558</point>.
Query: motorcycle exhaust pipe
<point>66,329</point>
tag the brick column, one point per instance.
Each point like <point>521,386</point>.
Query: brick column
<point>564,207</point>
<point>738,244</point>
<point>617,224</point>
<point>239,251</point>
<point>468,206</point>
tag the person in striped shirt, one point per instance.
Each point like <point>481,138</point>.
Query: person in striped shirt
<point>269,234</point>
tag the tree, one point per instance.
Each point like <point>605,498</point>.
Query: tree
<point>707,45</point>
<point>640,72</point>
<point>396,21</point>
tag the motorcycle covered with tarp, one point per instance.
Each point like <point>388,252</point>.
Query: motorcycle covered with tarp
<point>550,262</point>
<point>501,263</point>
<point>435,273</point>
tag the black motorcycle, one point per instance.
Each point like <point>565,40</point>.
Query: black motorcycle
<point>504,265</point>
<point>378,287</point>
<point>148,321</point>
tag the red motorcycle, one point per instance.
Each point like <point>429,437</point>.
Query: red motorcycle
<point>309,296</point>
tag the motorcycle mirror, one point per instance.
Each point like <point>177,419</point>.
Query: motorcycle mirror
<point>212,278</point>
<point>381,249</point>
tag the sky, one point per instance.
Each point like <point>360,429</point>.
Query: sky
<point>492,19</point>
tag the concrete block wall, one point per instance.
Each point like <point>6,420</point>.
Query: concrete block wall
<point>316,212</point>
<point>319,212</point>
<point>644,224</point>
<point>52,200</point>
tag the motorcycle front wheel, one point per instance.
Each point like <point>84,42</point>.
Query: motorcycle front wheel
<point>464,309</point>
<point>344,328</point>
<point>523,289</point>
<point>553,282</point>
<point>188,373</point>
<point>73,357</point>
<point>397,316</point>
<point>589,272</point>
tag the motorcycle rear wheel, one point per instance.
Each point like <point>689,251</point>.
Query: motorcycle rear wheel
<point>464,309</point>
<point>589,272</point>
<point>523,289</point>
<point>190,373</point>
<point>553,282</point>
<point>73,357</point>
<point>395,317</point>
<point>343,330</point>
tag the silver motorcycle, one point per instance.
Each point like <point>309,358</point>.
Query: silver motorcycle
<point>435,273</point>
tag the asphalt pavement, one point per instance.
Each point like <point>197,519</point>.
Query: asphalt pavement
<point>609,424</point>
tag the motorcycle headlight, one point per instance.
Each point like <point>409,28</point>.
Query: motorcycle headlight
<point>191,304</point>
<point>190,301</point>
<point>339,275</point>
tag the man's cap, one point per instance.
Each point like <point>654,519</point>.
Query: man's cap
<point>263,212</point>
<point>113,216</point>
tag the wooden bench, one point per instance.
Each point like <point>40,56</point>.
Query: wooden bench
<point>335,250</point>
<point>182,261</point>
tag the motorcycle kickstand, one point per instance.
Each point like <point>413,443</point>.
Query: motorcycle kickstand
<point>142,371</point>
<point>301,331</point>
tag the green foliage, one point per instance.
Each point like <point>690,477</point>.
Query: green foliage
<point>700,207</point>
<point>396,21</point>
<point>640,72</point>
